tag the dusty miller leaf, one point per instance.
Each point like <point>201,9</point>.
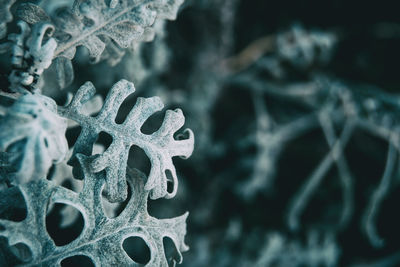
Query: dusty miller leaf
<point>34,135</point>
<point>95,25</point>
<point>101,238</point>
<point>31,13</point>
<point>160,146</point>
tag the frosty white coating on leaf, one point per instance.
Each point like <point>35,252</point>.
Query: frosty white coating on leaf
<point>99,231</point>
<point>97,25</point>
<point>31,13</point>
<point>34,135</point>
<point>159,146</point>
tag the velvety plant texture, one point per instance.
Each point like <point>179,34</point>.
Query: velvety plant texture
<point>227,133</point>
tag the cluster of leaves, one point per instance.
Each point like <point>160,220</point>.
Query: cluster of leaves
<point>104,28</point>
<point>295,112</point>
<point>110,207</point>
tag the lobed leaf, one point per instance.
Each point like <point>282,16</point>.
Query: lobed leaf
<point>97,25</point>
<point>99,231</point>
<point>160,146</point>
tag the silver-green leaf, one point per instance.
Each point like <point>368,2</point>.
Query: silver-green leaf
<point>159,146</point>
<point>99,231</point>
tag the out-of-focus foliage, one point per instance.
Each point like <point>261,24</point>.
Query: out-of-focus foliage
<point>33,135</point>
<point>5,16</point>
<point>295,114</point>
<point>31,55</point>
<point>295,108</point>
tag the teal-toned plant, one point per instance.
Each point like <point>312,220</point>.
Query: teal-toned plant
<point>34,149</point>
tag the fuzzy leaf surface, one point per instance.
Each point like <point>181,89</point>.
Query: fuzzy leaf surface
<point>31,13</point>
<point>159,146</point>
<point>96,25</point>
<point>102,238</point>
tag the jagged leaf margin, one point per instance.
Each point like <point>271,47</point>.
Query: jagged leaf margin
<point>96,25</point>
<point>102,237</point>
<point>105,28</point>
<point>159,146</point>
